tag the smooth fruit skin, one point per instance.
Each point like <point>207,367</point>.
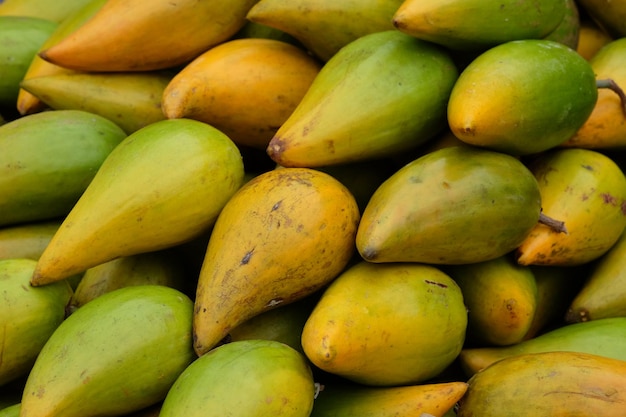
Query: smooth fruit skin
<point>354,400</point>
<point>478,24</point>
<point>456,205</point>
<point>48,159</point>
<point>248,378</point>
<point>117,354</point>
<point>522,97</point>
<point>20,37</point>
<point>284,235</point>
<point>605,128</point>
<point>42,9</point>
<point>324,27</point>
<point>387,324</point>
<point>247,88</point>
<point>163,185</point>
<point>27,240</point>
<point>131,36</point>
<point>556,384</point>
<point>603,294</point>
<point>28,316</point>
<point>605,337</point>
<point>380,95</point>
<point>608,15</point>
<point>501,297</point>
<point>586,190</point>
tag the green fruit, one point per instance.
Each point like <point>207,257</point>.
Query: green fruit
<point>387,324</point>
<point>380,95</point>
<point>522,97</point>
<point>20,40</point>
<point>247,378</point>
<point>456,205</point>
<point>48,159</point>
<point>28,316</point>
<point>604,337</point>
<point>118,353</point>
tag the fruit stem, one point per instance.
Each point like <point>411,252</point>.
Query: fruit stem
<point>556,225</point>
<point>613,86</point>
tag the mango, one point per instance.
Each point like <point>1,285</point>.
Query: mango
<point>162,186</point>
<point>522,97</point>
<point>118,353</point>
<point>455,205</point>
<point>247,378</point>
<point>382,94</point>
<point>387,324</point>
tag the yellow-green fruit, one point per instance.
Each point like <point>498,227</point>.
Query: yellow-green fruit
<point>584,189</point>
<point>117,354</point>
<point>48,159</point>
<point>28,316</point>
<point>161,186</point>
<point>11,411</point>
<point>380,95</point>
<point>456,205</point>
<point>548,384</point>
<point>27,240</point>
<point>605,337</point>
<point>478,24</point>
<point>248,378</point>
<point>522,97</point>
<point>43,9</point>
<point>387,324</point>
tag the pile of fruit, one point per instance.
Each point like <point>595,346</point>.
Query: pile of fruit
<point>312,208</point>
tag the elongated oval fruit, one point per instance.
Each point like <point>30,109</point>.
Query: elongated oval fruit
<point>478,24</point>
<point>610,16</point>
<point>355,400</point>
<point>548,384</point>
<point>587,191</point>
<point>27,240</point>
<point>605,128</point>
<point>42,9</point>
<point>285,234</point>
<point>246,87</point>
<point>28,316</point>
<point>20,37</point>
<point>129,35</point>
<point>603,294</point>
<point>455,205</point>
<point>501,297</point>
<point>48,159</point>
<point>387,324</point>
<point>325,26</point>
<point>119,353</point>
<point>605,337</point>
<point>130,99</point>
<point>382,94</point>
<point>248,378</point>
<point>522,97</point>
<point>163,185</point>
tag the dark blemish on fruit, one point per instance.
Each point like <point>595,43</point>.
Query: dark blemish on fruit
<point>609,199</point>
<point>277,205</point>
<point>246,257</point>
<point>588,167</point>
<point>439,284</point>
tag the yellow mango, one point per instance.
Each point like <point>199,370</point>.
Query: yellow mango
<point>387,324</point>
<point>591,39</point>
<point>586,190</point>
<point>245,87</point>
<point>284,234</point>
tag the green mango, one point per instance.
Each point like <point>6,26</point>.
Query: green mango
<point>380,95</point>
<point>247,378</point>
<point>48,159</point>
<point>117,354</point>
<point>522,97</point>
<point>604,337</point>
<point>11,411</point>
<point>568,31</point>
<point>20,40</point>
<point>28,316</point>
<point>478,24</point>
<point>27,240</point>
<point>161,186</point>
<point>603,293</point>
<point>455,205</point>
